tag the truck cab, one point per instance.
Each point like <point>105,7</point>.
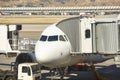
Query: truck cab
<point>29,71</point>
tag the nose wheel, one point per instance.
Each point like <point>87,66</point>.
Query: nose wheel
<point>57,72</point>
<point>61,72</point>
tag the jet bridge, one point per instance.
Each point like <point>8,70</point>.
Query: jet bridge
<point>90,35</point>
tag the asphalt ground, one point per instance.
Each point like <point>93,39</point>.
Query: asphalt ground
<point>106,69</point>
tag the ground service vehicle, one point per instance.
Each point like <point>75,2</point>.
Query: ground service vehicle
<point>24,71</point>
<point>29,71</point>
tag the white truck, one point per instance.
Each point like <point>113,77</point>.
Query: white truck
<point>24,71</point>
<point>29,71</point>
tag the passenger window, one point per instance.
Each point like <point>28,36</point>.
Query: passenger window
<point>43,38</point>
<point>53,38</point>
<point>87,33</point>
<point>61,38</point>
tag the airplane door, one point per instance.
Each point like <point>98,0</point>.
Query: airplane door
<point>86,36</point>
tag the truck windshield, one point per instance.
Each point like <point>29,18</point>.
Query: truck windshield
<point>35,69</point>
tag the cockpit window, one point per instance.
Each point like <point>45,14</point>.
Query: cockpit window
<point>53,38</point>
<point>61,38</point>
<point>65,37</point>
<point>43,38</point>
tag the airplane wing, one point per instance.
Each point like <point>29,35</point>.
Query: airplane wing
<point>79,53</point>
<point>92,57</point>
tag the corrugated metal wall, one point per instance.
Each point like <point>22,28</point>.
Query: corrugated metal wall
<point>106,37</point>
<point>71,28</point>
<point>119,37</point>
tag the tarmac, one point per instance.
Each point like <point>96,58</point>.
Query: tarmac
<point>106,69</point>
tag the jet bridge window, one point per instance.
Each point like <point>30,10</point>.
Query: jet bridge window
<point>61,38</point>
<point>43,38</point>
<point>87,33</point>
<point>53,38</point>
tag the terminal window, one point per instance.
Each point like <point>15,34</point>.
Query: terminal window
<point>87,33</point>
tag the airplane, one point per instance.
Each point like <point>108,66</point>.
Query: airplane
<point>54,50</point>
<point>53,42</point>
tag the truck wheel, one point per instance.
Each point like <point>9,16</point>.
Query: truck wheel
<point>10,78</point>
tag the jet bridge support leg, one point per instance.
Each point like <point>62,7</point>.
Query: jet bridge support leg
<point>97,75</point>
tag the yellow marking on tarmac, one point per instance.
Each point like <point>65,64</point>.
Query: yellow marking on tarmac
<point>97,75</point>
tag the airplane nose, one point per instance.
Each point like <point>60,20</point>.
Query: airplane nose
<point>46,56</point>
<point>50,54</point>
<point>43,58</point>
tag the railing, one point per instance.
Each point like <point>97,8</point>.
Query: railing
<point>59,8</point>
<point>48,10</point>
<point>24,44</point>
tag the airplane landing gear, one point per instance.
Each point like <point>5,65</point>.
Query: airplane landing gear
<point>61,72</point>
